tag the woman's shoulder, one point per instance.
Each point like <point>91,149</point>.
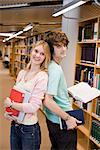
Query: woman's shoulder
<point>42,75</point>
<point>21,72</point>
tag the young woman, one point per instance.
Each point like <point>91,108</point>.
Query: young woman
<point>26,135</point>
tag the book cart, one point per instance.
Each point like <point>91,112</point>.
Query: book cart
<point>87,69</point>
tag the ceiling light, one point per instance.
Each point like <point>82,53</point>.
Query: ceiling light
<point>68,7</point>
<point>97,2</point>
<point>6,34</point>
<point>16,34</point>
<point>28,27</point>
<point>13,6</point>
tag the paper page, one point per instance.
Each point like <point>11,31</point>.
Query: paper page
<point>79,89</point>
<point>84,92</point>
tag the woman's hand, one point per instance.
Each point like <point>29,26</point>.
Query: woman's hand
<point>7,102</point>
<point>72,123</point>
<point>8,116</point>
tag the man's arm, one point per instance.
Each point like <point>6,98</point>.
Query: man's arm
<point>52,106</point>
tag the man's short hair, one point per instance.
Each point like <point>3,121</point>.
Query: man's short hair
<point>55,38</point>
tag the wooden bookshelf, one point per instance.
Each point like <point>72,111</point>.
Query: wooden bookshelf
<point>96,116</point>
<point>87,69</point>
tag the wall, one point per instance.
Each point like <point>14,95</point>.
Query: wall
<point>70,27</point>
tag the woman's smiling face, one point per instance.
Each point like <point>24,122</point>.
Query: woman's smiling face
<point>38,55</point>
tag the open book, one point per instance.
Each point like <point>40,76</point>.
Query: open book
<point>83,92</point>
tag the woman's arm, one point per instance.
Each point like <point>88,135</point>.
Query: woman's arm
<point>35,100</point>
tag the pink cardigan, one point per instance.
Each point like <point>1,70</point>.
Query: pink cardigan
<point>37,87</point>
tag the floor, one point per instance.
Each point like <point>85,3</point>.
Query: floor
<point>6,82</point>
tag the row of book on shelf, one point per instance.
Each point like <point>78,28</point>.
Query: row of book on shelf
<point>95,130</point>
<point>29,40</point>
<point>22,58</point>
<point>88,31</point>
<point>85,74</point>
<point>23,50</point>
<point>88,52</point>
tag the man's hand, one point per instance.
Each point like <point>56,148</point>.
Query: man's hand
<point>7,102</point>
<point>72,123</point>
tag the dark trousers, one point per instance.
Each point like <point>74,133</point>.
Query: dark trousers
<point>25,137</point>
<point>61,139</point>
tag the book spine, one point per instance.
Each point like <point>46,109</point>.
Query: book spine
<point>25,100</point>
<point>95,31</point>
<point>98,57</point>
<point>95,130</point>
<point>98,107</point>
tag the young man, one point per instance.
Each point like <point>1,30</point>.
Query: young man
<point>57,100</point>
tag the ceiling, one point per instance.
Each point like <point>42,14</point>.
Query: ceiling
<point>5,2</point>
<point>39,14</point>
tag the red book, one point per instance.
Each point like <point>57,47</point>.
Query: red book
<point>15,96</point>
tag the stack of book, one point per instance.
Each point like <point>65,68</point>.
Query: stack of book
<point>85,74</point>
<point>19,96</point>
<point>88,32</point>
<point>88,53</point>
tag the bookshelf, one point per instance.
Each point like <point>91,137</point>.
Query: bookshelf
<point>87,69</point>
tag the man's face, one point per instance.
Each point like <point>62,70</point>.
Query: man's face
<point>60,51</point>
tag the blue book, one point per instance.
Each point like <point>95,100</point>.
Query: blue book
<point>77,113</point>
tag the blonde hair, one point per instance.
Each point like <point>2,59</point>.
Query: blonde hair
<point>44,65</point>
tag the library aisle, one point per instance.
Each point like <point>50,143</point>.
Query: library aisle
<point>6,82</point>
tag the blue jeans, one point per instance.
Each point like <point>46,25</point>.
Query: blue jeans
<point>25,137</point>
